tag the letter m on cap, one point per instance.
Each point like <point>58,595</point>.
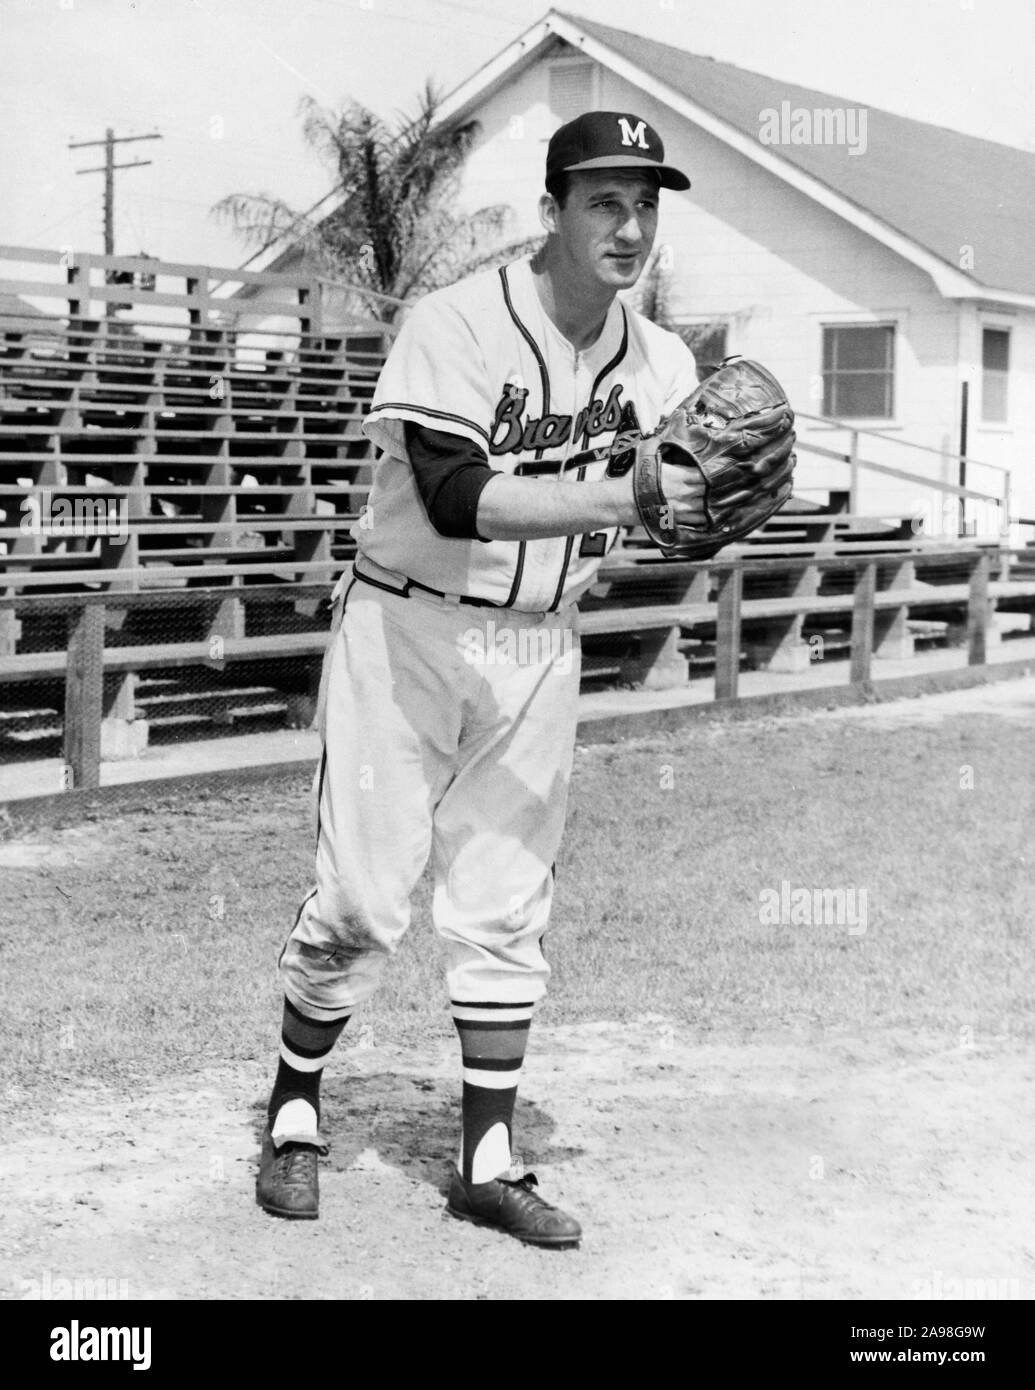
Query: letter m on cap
<point>633,134</point>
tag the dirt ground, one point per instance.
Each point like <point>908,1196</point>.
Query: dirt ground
<point>822,1168</point>
<point>805,1165</point>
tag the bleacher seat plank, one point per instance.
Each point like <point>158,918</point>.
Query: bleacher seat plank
<point>169,655</point>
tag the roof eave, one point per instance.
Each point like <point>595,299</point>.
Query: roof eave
<point>950,282</point>
<point>506,65</point>
<point>1014,299</point>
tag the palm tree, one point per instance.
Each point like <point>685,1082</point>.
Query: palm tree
<point>653,299</point>
<point>654,289</point>
<point>396,229</point>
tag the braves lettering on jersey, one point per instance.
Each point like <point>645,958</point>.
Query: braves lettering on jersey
<point>483,360</point>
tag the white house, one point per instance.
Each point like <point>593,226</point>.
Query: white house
<point>880,266</point>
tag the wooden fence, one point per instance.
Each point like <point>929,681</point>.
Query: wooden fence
<point>868,604</point>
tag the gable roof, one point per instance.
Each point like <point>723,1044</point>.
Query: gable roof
<point>942,189</point>
<point>15,312</point>
<point>14,304</point>
<point>926,192</point>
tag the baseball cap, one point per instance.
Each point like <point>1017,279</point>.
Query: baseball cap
<point>611,140</point>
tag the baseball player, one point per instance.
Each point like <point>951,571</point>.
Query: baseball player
<point>450,684</point>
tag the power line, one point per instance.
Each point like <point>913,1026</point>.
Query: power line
<point>259,43</point>
<point>381,12</point>
<point>51,223</point>
<point>467,9</point>
<point>168,198</point>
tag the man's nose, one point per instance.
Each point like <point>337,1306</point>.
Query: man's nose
<point>630,230</point>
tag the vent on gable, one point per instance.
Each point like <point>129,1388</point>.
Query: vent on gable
<point>572,88</point>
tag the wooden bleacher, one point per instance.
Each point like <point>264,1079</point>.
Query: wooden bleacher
<point>226,431</point>
<point>273,471</point>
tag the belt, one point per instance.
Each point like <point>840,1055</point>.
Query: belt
<point>409,584</point>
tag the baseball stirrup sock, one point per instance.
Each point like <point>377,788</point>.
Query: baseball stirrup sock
<point>493,1038</point>
<point>305,1044</point>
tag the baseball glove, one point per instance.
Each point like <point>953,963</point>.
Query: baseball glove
<point>735,434</point>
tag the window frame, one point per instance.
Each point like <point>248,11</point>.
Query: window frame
<point>861,421</point>
<point>1003,421</point>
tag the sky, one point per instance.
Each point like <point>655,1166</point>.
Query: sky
<point>221,81</point>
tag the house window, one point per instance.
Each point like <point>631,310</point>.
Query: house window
<point>571,89</point>
<point>995,366</point>
<point>859,372</point>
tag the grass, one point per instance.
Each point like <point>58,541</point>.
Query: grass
<point>155,953</point>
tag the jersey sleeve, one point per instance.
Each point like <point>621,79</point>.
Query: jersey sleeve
<point>435,377</point>
<point>450,473</point>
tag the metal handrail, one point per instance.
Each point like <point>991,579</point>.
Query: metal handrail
<point>854,463</point>
<point>853,460</point>
<point>836,424</point>
<point>370,294</point>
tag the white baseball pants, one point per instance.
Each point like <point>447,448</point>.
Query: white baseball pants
<point>448,734</point>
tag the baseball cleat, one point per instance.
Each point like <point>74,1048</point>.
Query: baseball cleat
<point>515,1208</point>
<point>288,1184</point>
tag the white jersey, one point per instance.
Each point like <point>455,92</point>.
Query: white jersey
<point>483,360</point>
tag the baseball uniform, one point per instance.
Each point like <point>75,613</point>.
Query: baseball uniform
<point>449,692</point>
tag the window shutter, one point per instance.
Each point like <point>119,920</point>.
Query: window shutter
<point>571,89</point>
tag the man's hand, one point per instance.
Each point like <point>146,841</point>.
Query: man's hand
<point>716,468</point>
<point>682,492</point>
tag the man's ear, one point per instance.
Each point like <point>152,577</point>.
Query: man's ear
<point>548,212</point>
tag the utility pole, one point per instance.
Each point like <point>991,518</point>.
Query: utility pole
<point>108,170</point>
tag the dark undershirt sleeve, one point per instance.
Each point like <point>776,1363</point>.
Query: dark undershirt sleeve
<point>450,472</point>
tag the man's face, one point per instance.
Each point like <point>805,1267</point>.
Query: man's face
<point>607,226</point>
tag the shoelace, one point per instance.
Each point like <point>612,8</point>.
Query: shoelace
<point>526,1186</point>
<point>295,1170</point>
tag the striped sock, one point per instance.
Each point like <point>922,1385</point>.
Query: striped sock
<point>492,1044</point>
<point>305,1044</point>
